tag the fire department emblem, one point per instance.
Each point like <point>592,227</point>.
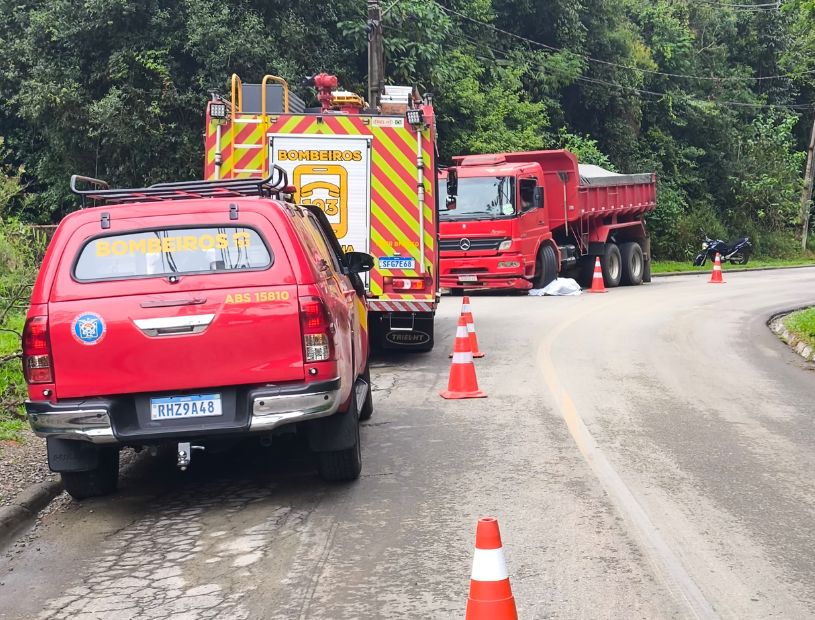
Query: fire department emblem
<point>89,328</point>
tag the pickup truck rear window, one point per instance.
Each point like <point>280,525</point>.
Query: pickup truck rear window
<point>164,252</point>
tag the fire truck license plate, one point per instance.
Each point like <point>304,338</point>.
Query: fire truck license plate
<point>468,278</point>
<point>192,406</point>
<point>396,262</point>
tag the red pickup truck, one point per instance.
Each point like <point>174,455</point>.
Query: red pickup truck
<point>193,314</point>
<point>518,220</point>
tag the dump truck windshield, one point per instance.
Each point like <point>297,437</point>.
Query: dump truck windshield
<point>482,198</point>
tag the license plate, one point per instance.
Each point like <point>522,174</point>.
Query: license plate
<point>468,278</point>
<point>396,262</point>
<point>191,406</point>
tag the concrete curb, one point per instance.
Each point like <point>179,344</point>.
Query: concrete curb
<point>25,508</point>
<point>736,270</point>
<point>776,324</point>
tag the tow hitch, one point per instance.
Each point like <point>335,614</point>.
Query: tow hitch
<point>185,454</point>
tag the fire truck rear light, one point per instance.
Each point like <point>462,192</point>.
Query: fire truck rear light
<point>405,284</point>
<point>217,110</point>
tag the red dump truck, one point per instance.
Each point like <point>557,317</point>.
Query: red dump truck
<point>519,220</point>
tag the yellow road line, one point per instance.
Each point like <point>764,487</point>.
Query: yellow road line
<point>665,562</point>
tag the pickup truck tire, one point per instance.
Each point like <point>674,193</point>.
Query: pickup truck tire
<point>545,267</point>
<point>633,263</point>
<point>612,265</point>
<point>367,409</point>
<point>343,465</point>
<point>102,480</point>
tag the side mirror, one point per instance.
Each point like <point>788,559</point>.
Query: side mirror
<point>357,262</point>
<point>451,203</point>
<point>452,185</point>
<point>537,199</point>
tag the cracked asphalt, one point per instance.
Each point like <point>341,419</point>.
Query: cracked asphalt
<point>649,453</point>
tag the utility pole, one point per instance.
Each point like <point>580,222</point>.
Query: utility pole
<point>806,194</point>
<point>376,54</point>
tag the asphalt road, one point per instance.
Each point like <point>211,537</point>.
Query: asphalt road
<point>649,453</point>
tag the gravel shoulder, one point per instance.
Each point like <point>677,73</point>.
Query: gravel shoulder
<point>22,465</point>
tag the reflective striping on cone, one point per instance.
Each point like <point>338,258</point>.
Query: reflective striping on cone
<point>462,358</point>
<point>489,565</point>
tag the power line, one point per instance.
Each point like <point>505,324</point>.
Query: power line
<point>642,91</point>
<point>747,8</point>
<point>606,62</point>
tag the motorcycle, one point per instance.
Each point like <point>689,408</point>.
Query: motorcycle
<point>737,252</point>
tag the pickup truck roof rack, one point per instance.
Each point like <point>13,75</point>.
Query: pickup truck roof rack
<point>100,192</point>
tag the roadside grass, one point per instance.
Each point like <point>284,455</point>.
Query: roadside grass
<point>670,266</point>
<point>12,384</point>
<point>802,324</point>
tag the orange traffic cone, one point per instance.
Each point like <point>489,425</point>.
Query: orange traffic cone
<point>490,594</point>
<point>462,382</point>
<point>716,276</point>
<point>597,284</point>
<point>473,337</point>
<point>467,314</point>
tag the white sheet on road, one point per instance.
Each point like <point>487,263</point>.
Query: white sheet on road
<point>559,286</point>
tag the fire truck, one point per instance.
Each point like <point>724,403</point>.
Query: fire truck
<point>370,169</point>
<point>518,220</point>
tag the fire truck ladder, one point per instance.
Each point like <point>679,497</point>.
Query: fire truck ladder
<point>240,120</point>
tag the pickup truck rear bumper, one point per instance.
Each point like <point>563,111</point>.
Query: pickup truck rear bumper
<point>268,407</point>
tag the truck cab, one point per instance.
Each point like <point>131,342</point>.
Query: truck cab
<point>493,224</point>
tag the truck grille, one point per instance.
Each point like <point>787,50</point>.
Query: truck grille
<point>464,244</point>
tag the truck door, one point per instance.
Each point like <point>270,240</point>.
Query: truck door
<point>532,220</point>
<point>333,173</point>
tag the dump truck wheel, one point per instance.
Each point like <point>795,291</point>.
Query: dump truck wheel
<point>633,263</point>
<point>612,265</point>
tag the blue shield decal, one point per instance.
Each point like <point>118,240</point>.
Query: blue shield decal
<point>89,328</point>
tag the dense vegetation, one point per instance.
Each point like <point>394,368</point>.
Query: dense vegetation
<point>715,95</point>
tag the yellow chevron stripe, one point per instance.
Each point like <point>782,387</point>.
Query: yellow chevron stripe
<point>379,215</point>
<point>289,124</point>
<point>349,126</point>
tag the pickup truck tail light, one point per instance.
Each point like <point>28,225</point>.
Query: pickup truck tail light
<point>316,325</point>
<point>37,365</point>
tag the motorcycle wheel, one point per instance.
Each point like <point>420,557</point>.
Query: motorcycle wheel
<point>739,259</point>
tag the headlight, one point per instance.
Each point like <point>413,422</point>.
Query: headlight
<point>704,245</point>
<point>510,264</point>
<point>505,244</point>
